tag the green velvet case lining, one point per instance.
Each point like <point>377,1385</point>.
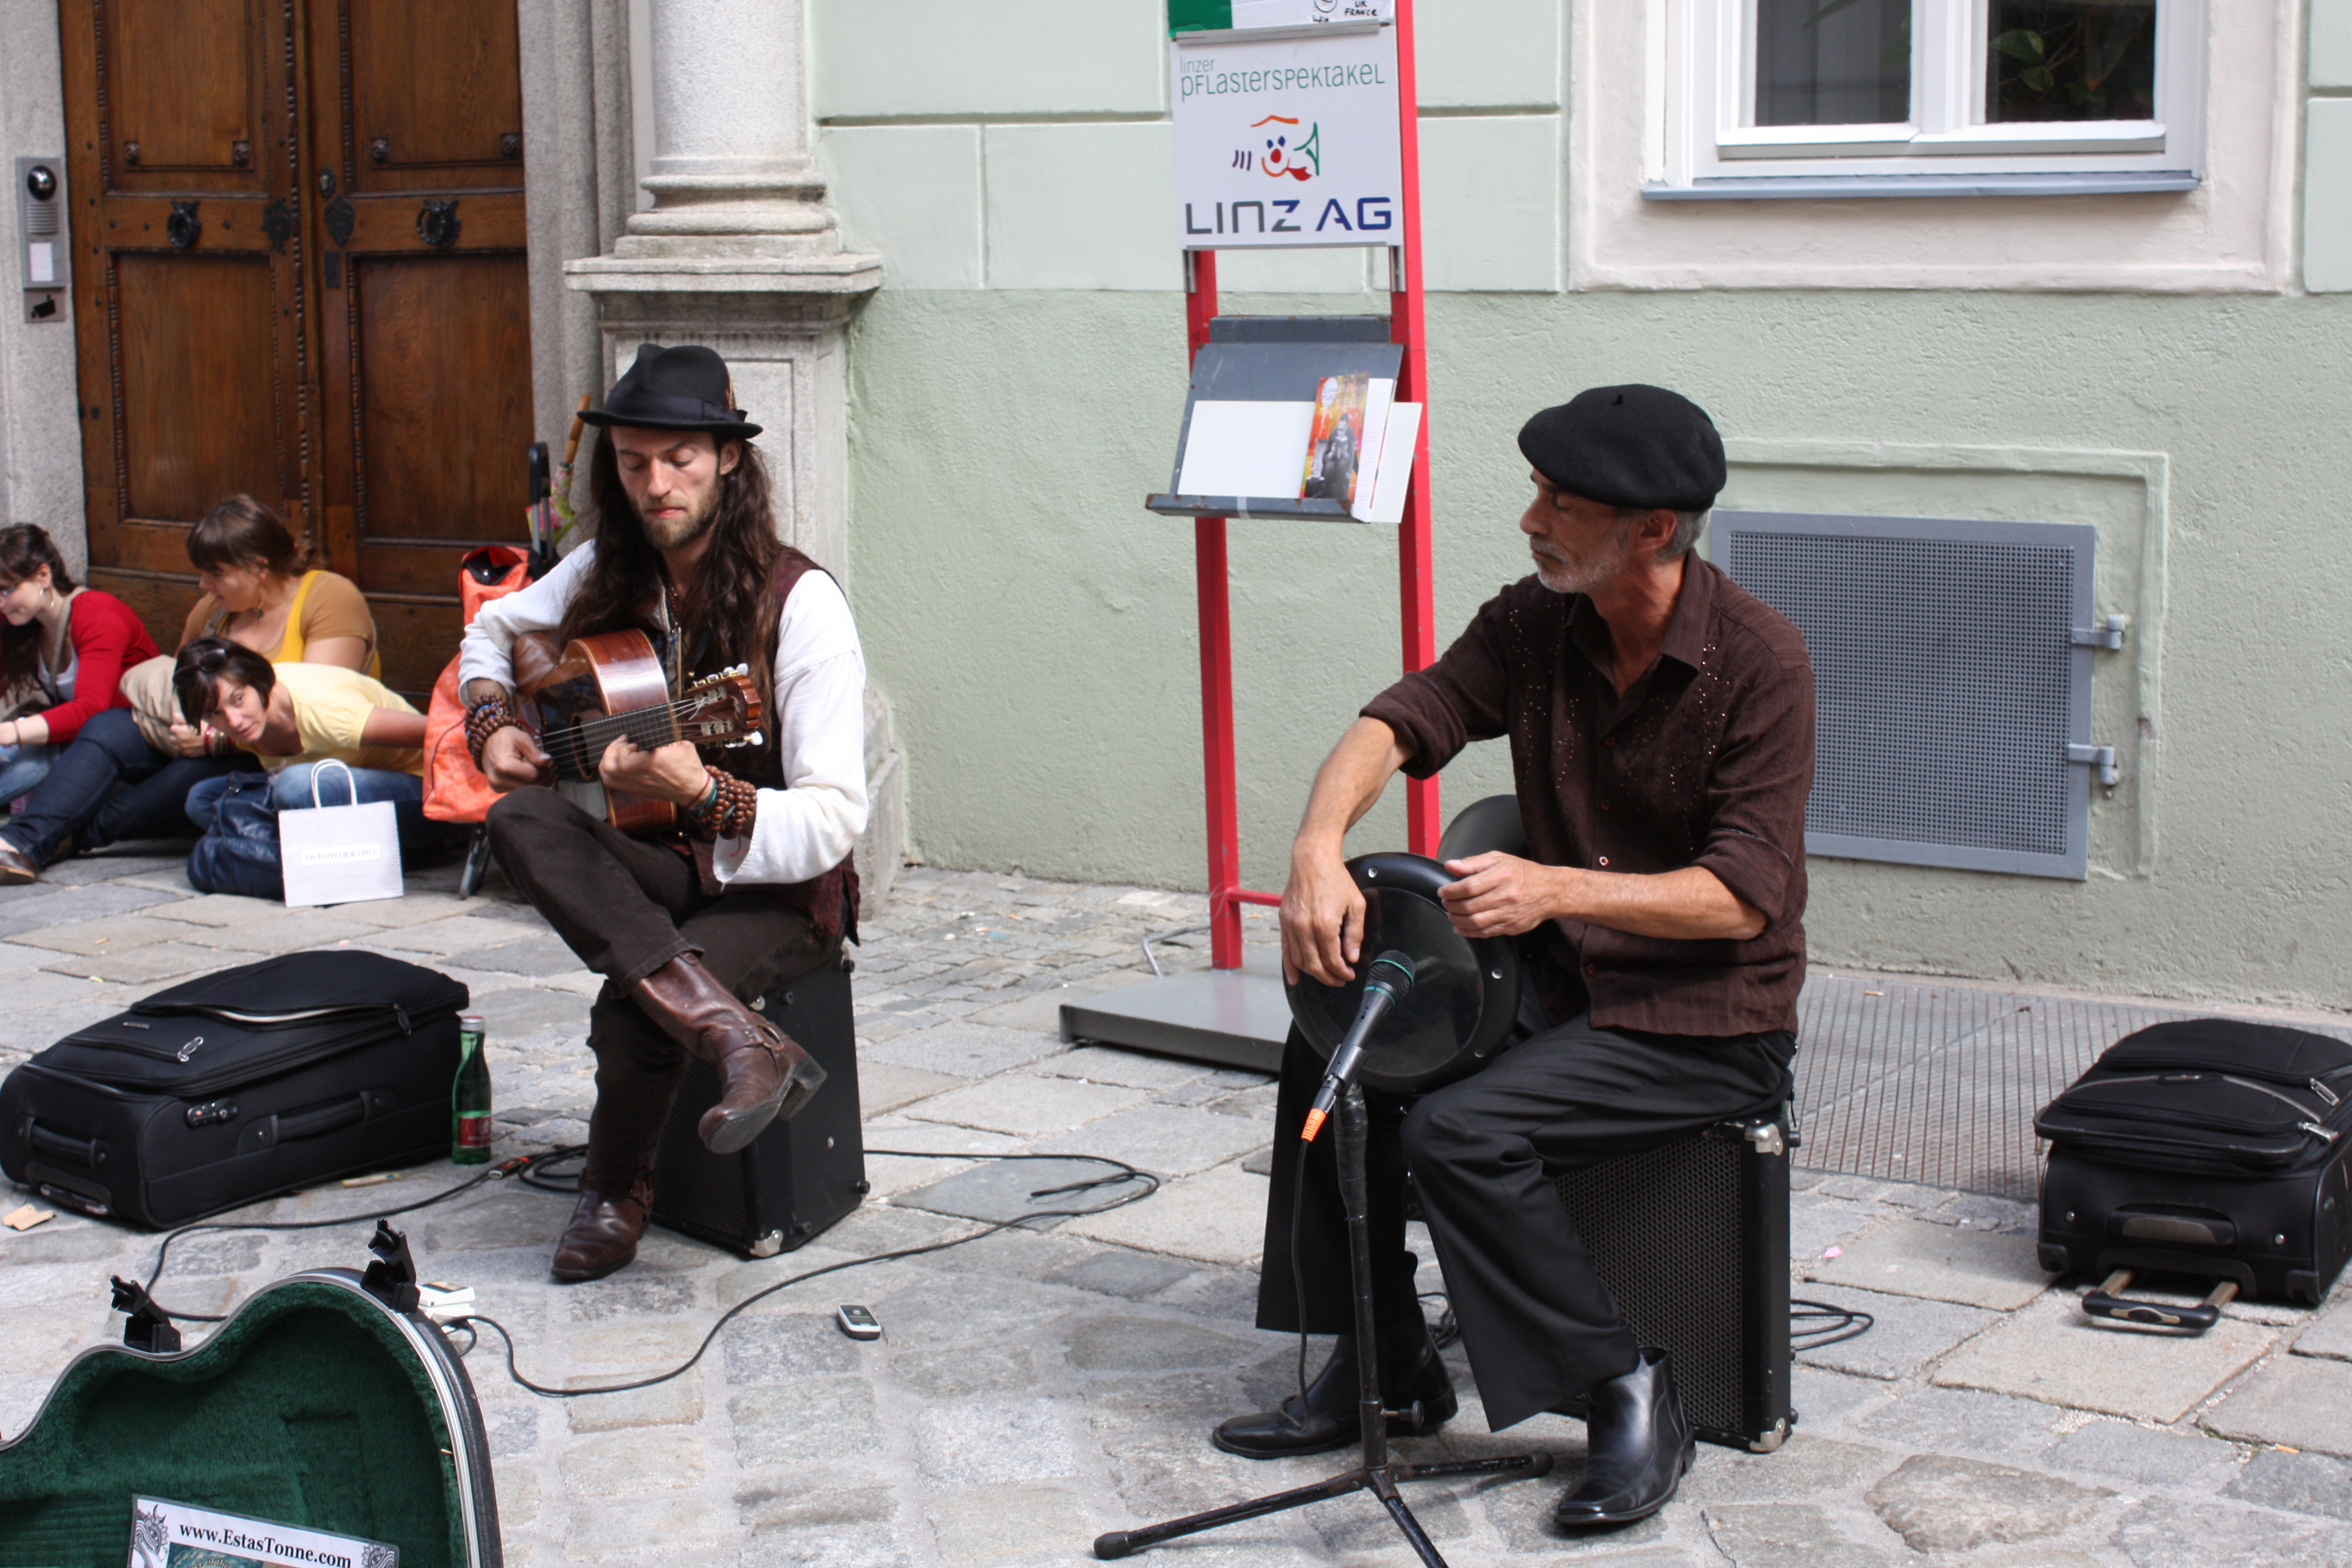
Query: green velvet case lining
<point>307,1408</point>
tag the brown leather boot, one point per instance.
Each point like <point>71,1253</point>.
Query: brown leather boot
<point>602,1234</point>
<point>762,1075</point>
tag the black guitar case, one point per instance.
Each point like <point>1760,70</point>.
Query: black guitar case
<point>315,1405</point>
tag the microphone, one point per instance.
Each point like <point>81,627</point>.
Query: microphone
<point>1389,982</point>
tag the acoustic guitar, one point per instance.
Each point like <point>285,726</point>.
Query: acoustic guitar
<point>578,702</point>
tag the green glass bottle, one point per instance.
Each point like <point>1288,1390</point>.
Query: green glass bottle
<point>469,1098</point>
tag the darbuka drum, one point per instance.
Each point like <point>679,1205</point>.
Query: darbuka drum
<point>1466,990</point>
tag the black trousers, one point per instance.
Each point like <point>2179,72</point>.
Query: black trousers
<point>627,906</point>
<point>1539,1325</point>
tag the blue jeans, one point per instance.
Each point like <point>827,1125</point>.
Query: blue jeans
<point>239,815</point>
<point>23,767</point>
<point>107,783</point>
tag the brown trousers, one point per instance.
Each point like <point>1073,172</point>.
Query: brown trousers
<point>626,907</point>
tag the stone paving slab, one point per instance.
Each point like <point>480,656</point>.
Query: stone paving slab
<point>1906,1257</point>
<point>2330,1334</point>
<point>157,961</point>
<point>1028,1104</point>
<point>1218,1218</point>
<point>2052,1354</point>
<point>2301,1402</point>
<point>106,933</point>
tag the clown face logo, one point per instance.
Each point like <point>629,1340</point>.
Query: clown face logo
<point>1286,152</point>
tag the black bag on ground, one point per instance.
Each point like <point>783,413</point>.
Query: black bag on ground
<point>2207,1147</point>
<point>236,1086</point>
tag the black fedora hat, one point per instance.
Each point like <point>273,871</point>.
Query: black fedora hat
<point>682,388</point>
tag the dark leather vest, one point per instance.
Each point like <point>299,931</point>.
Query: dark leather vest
<point>830,899</point>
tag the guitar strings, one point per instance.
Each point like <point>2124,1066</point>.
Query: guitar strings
<point>649,728</point>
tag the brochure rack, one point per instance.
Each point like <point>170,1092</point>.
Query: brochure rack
<point>1230,1015</point>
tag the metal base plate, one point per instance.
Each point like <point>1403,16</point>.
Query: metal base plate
<point>1234,1017</point>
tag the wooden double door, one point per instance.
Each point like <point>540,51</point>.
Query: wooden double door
<point>299,272</point>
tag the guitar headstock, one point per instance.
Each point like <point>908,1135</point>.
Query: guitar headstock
<point>721,710</point>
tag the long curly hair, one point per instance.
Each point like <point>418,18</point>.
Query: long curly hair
<point>730,613</point>
<point>25,550</point>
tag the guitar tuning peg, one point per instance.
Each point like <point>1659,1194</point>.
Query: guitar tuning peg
<point>758,739</point>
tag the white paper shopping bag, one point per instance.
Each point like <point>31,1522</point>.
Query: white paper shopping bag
<point>339,854</point>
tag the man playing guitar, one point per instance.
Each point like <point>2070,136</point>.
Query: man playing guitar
<point>754,887</point>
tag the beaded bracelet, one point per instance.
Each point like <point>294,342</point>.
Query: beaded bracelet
<point>729,809</point>
<point>483,719</point>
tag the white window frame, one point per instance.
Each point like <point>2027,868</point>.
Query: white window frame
<point>1946,148</point>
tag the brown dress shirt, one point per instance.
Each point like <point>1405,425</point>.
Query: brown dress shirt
<point>1705,761</point>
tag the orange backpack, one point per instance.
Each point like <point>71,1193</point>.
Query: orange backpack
<point>455,789</point>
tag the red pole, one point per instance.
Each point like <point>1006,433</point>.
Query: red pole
<point>1217,672</point>
<point>1415,567</point>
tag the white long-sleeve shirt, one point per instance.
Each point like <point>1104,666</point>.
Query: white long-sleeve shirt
<point>807,828</point>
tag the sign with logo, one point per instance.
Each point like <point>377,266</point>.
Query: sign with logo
<point>1288,141</point>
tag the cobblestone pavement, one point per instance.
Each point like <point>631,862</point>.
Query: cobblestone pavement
<point>1036,1387</point>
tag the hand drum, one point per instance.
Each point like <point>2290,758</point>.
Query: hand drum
<point>1466,990</point>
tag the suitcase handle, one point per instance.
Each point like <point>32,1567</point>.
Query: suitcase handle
<point>82,1151</point>
<point>2106,1302</point>
<point>322,1120</point>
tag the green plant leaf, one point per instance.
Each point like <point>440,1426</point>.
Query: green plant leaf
<point>2020,43</point>
<point>2038,78</point>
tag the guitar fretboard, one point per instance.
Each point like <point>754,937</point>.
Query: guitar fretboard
<point>579,748</point>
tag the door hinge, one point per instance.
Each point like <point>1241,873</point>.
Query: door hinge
<point>2108,632</point>
<point>2100,757</point>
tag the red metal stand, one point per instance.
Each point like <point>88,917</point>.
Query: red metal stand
<point>1416,591</point>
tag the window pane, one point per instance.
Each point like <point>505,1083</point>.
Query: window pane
<point>2071,60</point>
<point>1832,62</point>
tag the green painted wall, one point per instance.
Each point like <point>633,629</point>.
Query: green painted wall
<point>1034,626</point>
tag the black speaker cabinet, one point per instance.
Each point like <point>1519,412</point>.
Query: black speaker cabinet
<point>800,1175</point>
<point>1693,1239</point>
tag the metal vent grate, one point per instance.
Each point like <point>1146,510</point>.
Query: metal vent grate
<point>1947,682</point>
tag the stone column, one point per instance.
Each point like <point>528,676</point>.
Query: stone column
<point>739,252</point>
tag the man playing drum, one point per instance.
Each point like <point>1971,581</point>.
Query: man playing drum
<point>1661,726</point>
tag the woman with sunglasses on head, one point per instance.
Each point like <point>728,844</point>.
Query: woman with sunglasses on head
<point>118,782</point>
<point>63,649</point>
<point>295,717</point>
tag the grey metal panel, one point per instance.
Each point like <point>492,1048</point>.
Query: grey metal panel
<point>1234,1017</point>
<point>1947,682</point>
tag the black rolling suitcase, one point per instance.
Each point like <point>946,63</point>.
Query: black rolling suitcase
<point>797,1177</point>
<point>236,1086</point>
<point>2206,1147</point>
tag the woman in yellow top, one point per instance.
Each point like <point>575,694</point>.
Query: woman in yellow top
<point>295,717</point>
<point>110,784</point>
<point>254,595</point>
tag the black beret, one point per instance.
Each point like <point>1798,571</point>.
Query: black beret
<point>1629,446</point>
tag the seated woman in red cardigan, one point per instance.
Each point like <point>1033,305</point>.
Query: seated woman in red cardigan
<point>63,651</point>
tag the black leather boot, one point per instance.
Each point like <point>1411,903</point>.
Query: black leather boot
<point>1412,1373</point>
<point>1637,1445</point>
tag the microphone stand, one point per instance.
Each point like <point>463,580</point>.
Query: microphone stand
<point>1378,1474</point>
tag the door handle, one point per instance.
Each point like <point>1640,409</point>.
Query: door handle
<point>437,225</point>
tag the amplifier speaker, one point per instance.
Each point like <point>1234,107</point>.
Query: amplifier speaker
<point>797,1177</point>
<point>1693,1240</point>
